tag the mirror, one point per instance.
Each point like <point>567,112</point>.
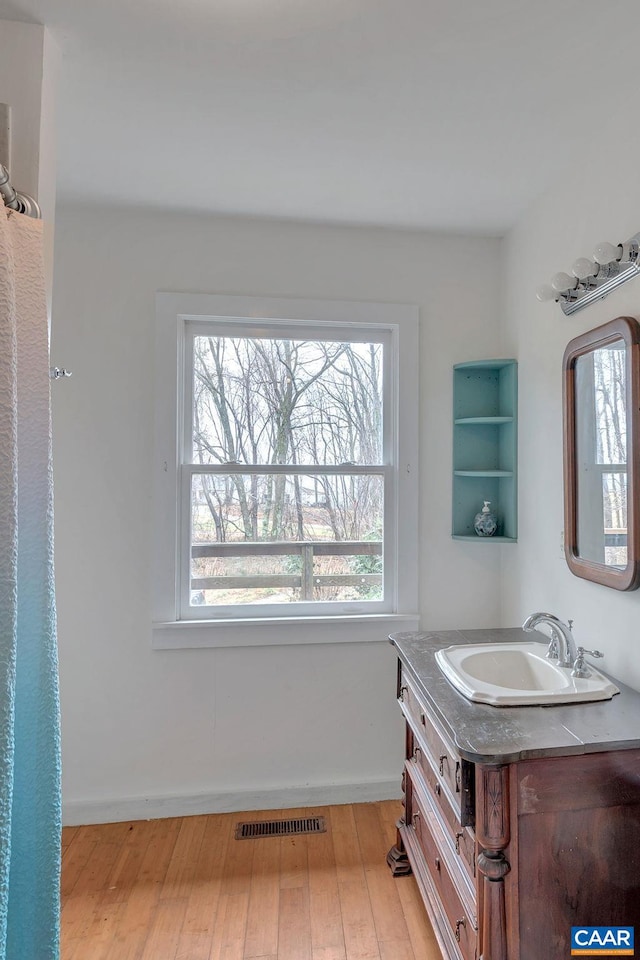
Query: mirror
<point>601,454</point>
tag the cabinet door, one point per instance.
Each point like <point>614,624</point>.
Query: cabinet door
<point>578,847</point>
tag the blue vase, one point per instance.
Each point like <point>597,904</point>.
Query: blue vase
<point>485,523</point>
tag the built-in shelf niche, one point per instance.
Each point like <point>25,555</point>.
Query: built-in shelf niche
<point>485,396</point>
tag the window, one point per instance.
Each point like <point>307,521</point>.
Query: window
<point>281,427</point>
<point>602,448</point>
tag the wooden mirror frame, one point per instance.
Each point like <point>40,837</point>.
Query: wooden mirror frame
<point>627,329</point>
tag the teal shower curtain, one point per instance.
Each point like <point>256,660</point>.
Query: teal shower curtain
<point>29,709</point>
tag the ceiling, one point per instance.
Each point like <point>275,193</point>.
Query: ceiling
<point>407,113</point>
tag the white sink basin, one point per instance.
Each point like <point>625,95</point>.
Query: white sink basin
<point>517,674</point>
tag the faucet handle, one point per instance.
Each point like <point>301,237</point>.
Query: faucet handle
<point>580,669</point>
<point>591,653</point>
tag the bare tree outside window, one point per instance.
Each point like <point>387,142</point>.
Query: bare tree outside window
<point>611,448</point>
<point>297,512</point>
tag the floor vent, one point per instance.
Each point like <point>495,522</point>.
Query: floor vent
<point>279,828</point>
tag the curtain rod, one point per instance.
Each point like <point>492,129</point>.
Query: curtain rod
<point>17,201</point>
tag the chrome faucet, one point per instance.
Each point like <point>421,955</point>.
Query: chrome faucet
<point>562,646</point>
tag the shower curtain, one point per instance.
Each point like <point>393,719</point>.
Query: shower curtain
<point>29,710</point>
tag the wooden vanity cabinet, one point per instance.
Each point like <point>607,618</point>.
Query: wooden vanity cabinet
<point>509,856</point>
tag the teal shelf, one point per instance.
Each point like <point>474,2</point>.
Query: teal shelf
<point>484,364</point>
<point>485,446</point>
<point>471,421</point>
<point>476,539</point>
<point>483,473</point>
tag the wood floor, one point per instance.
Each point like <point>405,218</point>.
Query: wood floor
<point>185,889</point>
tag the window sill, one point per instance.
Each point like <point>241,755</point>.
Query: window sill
<point>298,631</point>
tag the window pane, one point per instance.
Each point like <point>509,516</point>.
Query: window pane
<point>609,375</point>
<point>614,498</point>
<point>601,449</point>
<point>283,538</point>
<point>286,401</point>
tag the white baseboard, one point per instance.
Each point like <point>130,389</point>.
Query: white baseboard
<point>76,812</point>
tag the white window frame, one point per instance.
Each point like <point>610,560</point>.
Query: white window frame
<point>178,316</point>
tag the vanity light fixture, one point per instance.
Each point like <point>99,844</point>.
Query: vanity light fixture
<point>591,280</point>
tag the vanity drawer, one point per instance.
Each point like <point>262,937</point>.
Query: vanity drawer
<point>459,914</point>
<point>454,777</point>
<point>462,839</point>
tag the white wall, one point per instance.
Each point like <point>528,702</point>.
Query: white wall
<point>232,725</point>
<point>21,70</point>
<point>29,65</point>
<point>592,204</point>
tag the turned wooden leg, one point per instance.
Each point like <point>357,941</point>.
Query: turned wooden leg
<point>397,857</point>
<point>492,831</point>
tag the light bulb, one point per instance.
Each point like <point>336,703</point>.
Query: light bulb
<point>545,292</point>
<point>625,252</point>
<point>561,282</point>
<point>606,253</point>
<point>585,268</point>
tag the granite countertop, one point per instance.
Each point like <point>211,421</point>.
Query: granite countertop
<point>487,734</point>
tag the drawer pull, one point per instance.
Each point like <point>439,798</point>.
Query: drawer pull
<point>457,776</point>
<point>416,751</point>
<point>442,760</point>
<point>458,838</point>
<point>436,861</point>
<point>402,692</point>
<point>414,819</point>
<point>436,788</point>
<point>423,719</point>
<point>459,923</point>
